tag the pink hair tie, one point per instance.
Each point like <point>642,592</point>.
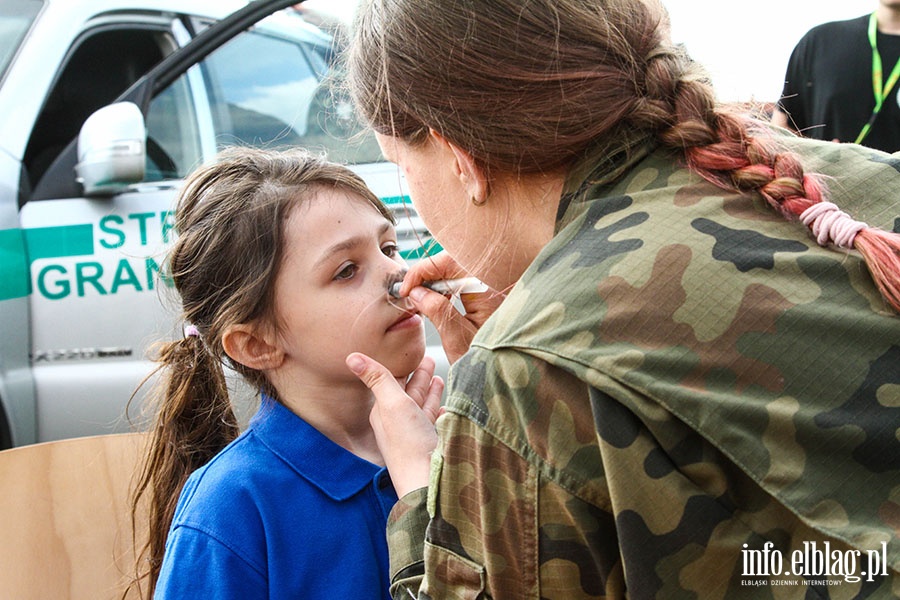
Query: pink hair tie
<point>830,223</point>
<point>191,331</point>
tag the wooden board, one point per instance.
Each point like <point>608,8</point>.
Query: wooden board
<point>66,525</point>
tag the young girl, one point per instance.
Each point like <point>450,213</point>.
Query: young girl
<point>283,264</point>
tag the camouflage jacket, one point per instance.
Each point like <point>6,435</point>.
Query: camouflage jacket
<point>683,397</point>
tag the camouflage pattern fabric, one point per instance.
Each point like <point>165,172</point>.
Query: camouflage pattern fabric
<point>683,397</point>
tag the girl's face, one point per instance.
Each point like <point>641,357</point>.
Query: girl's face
<point>331,295</point>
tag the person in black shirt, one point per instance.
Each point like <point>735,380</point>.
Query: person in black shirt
<point>833,82</point>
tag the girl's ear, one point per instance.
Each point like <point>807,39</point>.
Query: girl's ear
<point>244,344</point>
<point>467,170</point>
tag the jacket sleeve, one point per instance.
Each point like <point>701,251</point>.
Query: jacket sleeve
<point>498,522</point>
<point>480,519</point>
<point>406,539</point>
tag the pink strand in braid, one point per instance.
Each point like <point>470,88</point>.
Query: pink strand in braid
<point>743,162</point>
<point>880,249</point>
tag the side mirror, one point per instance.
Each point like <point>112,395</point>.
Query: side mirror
<point>111,150</point>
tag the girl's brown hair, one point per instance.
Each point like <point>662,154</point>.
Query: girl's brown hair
<point>529,87</point>
<point>229,220</point>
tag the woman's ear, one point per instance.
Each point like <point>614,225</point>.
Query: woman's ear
<point>245,344</point>
<point>467,170</point>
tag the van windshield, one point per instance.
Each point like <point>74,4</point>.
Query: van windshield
<point>16,17</point>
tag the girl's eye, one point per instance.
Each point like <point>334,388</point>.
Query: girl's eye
<point>391,250</point>
<point>347,272</point>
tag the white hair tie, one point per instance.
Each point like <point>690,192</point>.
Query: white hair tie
<point>830,223</point>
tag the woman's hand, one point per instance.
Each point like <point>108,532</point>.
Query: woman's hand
<point>403,418</point>
<point>455,328</point>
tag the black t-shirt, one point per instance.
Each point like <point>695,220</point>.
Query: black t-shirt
<point>828,89</point>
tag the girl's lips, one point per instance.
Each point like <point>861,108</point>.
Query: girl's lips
<point>406,321</point>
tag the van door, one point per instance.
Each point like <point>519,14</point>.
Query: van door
<point>94,288</point>
<point>99,295</point>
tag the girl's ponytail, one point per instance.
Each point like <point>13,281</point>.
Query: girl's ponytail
<point>195,420</point>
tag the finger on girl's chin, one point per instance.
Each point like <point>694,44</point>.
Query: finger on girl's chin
<point>433,404</point>
<point>437,386</point>
<point>420,377</point>
<point>356,362</point>
<point>427,364</point>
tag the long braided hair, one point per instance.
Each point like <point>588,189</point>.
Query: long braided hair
<point>528,87</point>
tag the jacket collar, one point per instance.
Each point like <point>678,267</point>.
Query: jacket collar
<point>602,165</point>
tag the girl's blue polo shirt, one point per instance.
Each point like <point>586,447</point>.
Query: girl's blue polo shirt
<point>282,512</point>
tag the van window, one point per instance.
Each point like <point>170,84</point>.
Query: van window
<point>266,90</point>
<point>257,90</point>
<point>102,64</point>
<point>16,17</point>
<point>261,90</point>
<point>173,137</point>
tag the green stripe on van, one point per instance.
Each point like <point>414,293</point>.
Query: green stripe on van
<point>14,280</point>
<point>20,247</point>
<point>58,242</point>
<point>396,200</point>
<point>429,248</point>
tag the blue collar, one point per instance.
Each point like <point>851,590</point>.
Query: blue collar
<point>336,471</point>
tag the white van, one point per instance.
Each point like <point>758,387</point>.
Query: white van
<point>83,230</point>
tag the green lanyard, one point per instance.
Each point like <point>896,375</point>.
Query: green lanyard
<point>880,89</point>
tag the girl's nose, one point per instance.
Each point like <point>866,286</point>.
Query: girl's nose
<point>393,281</point>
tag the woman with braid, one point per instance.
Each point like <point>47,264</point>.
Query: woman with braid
<point>692,387</point>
